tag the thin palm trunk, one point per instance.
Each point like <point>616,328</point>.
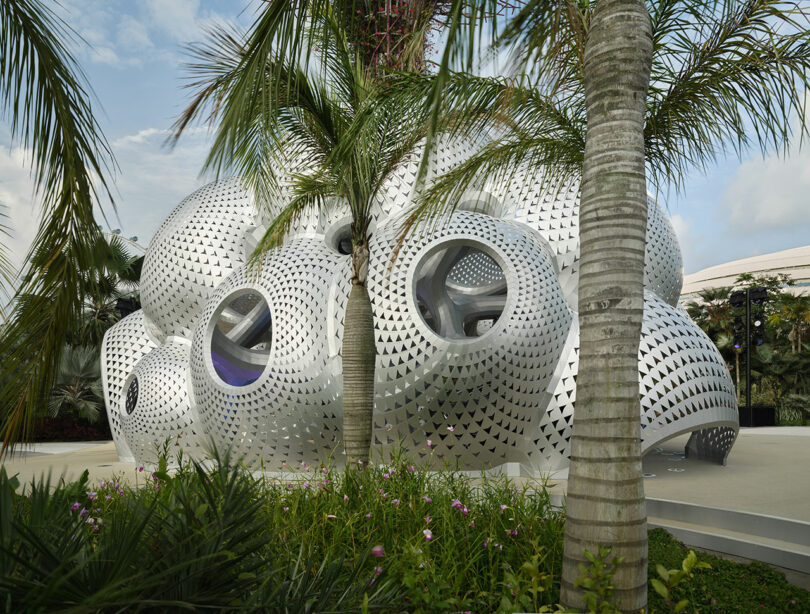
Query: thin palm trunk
<point>359,361</point>
<point>605,499</point>
<point>737,373</point>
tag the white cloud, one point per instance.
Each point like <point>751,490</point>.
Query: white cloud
<point>178,18</point>
<point>769,194</point>
<point>17,196</point>
<point>153,178</point>
<point>132,34</point>
<point>151,182</point>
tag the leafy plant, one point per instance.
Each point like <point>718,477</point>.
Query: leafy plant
<point>78,390</point>
<point>596,580</point>
<point>670,578</point>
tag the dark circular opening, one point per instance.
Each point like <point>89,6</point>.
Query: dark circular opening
<point>460,291</point>
<point>344,242</point>
<point>240,345</point>
<point>132,396</point>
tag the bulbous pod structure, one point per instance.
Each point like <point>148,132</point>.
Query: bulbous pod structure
<point>123,346</point>
<point>264,362</point>
<point>193,251</point>
<point>470,322</point>
<point>684,384</point>
<point>475,326</point>
<point>157,412</point>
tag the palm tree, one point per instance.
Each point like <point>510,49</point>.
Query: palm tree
<point>339,126</point>
<point>793,311</point>
<point>664,89</point>
<point>78,385</point>
<point>45,97</point>
<point>115,280</point>
<point>714,314</point>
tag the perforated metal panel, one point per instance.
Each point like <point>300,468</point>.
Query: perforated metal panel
<point>157,409</point>
<point>125,343</point>
<point>475,327</point>
<point>197,247</point>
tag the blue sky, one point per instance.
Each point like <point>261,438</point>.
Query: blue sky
<point>133,61</point>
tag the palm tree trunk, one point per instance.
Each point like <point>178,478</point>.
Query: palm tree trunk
<point>359,358</point>
<point>605,499</point>
<point>737,373</point>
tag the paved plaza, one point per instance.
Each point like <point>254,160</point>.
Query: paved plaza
<point>768,471</point>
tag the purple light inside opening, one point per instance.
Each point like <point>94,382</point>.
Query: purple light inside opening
<point>233,374</point>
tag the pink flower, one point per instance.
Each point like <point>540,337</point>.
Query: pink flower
<point>84,512</point>
<point>325,471</point>
<point>345,497</point>
<point>428,534</point>
<point>429,443</point>
<point>331,516</point>
<point>91,495</point>
<point>452,429</point>
<point>428,519</point>
<point>307,486</point>
<point>285,509</point>
<point>427,499</point>
<point>75,506</point>
<point>140,468</point>
<point>378,551</point>
<point>368,515</point>
<point>410,469</point>
<point>472,523</point>
<point>503,507</point>
<point>485,543</point>
<point>101,484</point>
<point>107,498</point>
<point>395,502</point>
<point>457,504</point>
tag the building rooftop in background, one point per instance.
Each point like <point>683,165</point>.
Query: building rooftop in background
<point>794,262</point>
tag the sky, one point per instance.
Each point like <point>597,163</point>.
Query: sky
<point>133,56</point>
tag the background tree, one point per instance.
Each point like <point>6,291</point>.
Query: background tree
<point>77,391</point>
<point>113,290</point>
<point>45,98</point>
<point>336,123</point>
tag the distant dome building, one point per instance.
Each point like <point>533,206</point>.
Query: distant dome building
<point>794,262</point>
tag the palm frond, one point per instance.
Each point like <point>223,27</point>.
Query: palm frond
<point>556,161</point>
<point>45,97</point>
<point>312,192</point>
<point>8,274</point>
<point>726,79</point>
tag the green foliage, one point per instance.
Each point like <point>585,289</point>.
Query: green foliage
<point>78,389</point>
<point>214,536</point>
<point>45,98</point>
<point>780,367</point>
<point>727,587</point>
<point>596,580</point>
<point>670,578</point>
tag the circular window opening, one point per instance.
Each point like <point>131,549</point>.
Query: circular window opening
<point>339,237</point>
<point>460,291</point>
<point>132,396</point>
<point>240,344</point>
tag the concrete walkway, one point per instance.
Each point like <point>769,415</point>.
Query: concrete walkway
<point>768,471</point>
<point>68,460</point>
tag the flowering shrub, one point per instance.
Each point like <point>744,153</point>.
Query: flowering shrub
<point>392,537</point>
